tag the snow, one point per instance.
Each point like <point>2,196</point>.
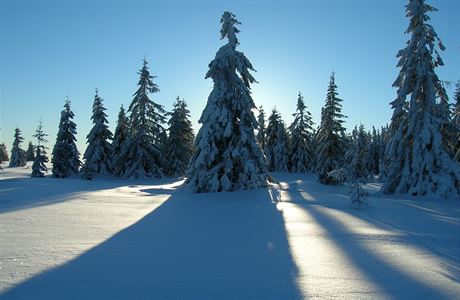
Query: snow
<point>151,239</point>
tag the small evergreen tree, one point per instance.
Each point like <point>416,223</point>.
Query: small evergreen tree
<point>66,158</point>
<point>3,153</point>
<point>179,145</point>
<point>18,156</point>
<point>119,139</point>
<point>358,166</point>
<point>330,144</point>
<point>277,145</point>
<point>30,152</point>
<point>358,196</point>
<point>417,162</point>
<point>302,152</point>
<point>261,135</point>
<point>142,152</point>
<point>39,166</point>
<point>98,154</point>
<point>227,156</point>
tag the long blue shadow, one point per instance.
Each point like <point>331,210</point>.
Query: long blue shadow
<point>435,230</point>
<point>392,282</point>
<point>191,247</point>
<point>22,193</point>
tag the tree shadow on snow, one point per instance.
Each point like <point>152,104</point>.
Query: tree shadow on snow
<point>390,280</point>
<point>438,218</point>
<point>193,246</point>
<point>23,193</point>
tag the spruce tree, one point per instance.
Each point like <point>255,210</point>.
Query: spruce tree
<point>119,139</point>
<point>227,156</point>
<point>3,153</point>
<point>141,153</point>
<point>18,155</point>
<point>261,135</point>
<point>180,143</point>
<point>98,154</point>
<point>302,151</point>
<point>416,160</point>
<point>277,144</point>
<point>456,123</point>
<point>330,144</point>
<point>66,158</point>
<point>39,166</point>
<point>30,152</point>
<point>358,163</point>
<point>373,152</point>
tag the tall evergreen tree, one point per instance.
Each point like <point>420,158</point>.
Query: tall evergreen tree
<point>302,152</point>
<point>227,156</point>
<point>98,154</point>
<point>30,152</point>
<point>141,153</point>
<point>456,122</point>
<point>418,163</point>
<point>39,166</point>
<point>330,143</point>
<point>18,155</point>
<point>66,158</point>
<point>119,139</point>
<point>277,144</point>
<point>261,135</point>
<point>180,143</point>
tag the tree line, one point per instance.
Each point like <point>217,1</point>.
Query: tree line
<point>418,153</point>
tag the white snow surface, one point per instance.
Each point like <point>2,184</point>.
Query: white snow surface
<point>151,239</point>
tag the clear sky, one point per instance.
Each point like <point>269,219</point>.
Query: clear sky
<point>50,49</point>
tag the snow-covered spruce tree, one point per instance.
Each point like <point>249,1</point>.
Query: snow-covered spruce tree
<point>180,143</point>
<point>66,158</point>
<point>358,166</point>
<point>98,154</point>
<point>3,153</point>
<point>302,149</point>
<point>30,152</point>
<point>456,122</point>
<point>422,165</point>
<point>18,155</point>
<point>141,153</point>
<point>384,141</point>
<point>330,145</point>
<point>227,156</point>
<point>39,166</point>
<point>277,144</point>
<point>119,139</point>
<point>261,135</point>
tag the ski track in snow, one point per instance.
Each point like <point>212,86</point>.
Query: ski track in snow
<point>150,239</point>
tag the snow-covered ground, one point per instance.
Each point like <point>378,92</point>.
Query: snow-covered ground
<point>117,239</point>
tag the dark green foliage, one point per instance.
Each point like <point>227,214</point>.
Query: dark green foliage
<point>18,155</point>
<point>277,144</point>
<point>141,155</point>
<point>179,146</point>
<point>302,150</point>
<point>330,137</point>
<point>39,166</point>
<point>66,159</point>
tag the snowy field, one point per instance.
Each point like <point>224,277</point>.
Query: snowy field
<point>117,239</point>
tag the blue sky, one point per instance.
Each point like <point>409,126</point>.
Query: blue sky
<point>50,49</point>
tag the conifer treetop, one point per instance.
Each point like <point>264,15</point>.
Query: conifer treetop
<point>229,30</point>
